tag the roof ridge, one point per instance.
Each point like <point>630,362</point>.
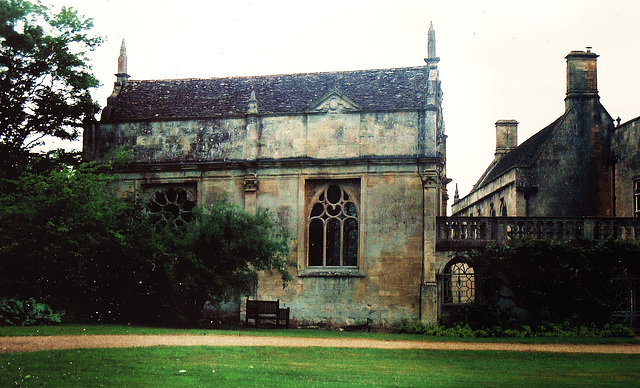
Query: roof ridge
<point>276,75</point>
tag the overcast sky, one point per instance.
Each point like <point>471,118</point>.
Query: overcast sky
<point>498,59</point>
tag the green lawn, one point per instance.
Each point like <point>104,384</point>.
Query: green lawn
<point>310,367</point>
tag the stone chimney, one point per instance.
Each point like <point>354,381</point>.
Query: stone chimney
<point>582,76</point>
<point>506,137</point>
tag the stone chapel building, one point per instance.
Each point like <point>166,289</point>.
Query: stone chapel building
<point>352,163</point>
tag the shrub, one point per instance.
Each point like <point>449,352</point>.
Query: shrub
<point>15,312</point>
<point>546,329</point>
<point>537,280</point>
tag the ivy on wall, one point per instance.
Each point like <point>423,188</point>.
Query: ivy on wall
<point>539,280</point>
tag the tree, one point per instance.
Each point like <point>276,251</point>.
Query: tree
<point>68,240</point>
<point>45,77</point>
<point>216,257</point>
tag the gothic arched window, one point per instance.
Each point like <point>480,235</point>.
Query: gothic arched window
<point>503,208</point>
<point>459,283</point>
<point>333,230</point>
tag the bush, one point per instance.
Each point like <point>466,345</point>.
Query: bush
<point>27,313</point>
<point>536,281</point>
<point>547,329</point>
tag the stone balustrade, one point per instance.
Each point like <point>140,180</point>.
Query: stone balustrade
<point>453,233</point>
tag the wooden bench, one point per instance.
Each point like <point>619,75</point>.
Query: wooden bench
<point>267,310</point>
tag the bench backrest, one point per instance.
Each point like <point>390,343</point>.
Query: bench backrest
<point>263,306</point>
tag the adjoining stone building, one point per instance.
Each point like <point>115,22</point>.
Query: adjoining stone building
<point>352,163</point>
<point>577,178</point>
<point>625,147</point>
<point>564,170</point>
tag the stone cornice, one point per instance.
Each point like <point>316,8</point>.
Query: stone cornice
<point>274,163</point>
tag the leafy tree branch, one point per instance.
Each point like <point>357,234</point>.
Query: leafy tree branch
<point>45,77</point>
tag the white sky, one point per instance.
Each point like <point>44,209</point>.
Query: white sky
<point>499,59</point>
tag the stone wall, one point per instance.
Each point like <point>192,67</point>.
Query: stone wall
<point>317,136</point>
<point>386,285</point>
<point>573,172</point>
<point>500,191</point>
<point>625,144</point>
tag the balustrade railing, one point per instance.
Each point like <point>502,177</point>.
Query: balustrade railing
<point>475,232</point>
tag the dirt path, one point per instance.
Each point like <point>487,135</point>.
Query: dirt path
<point>35,343</point>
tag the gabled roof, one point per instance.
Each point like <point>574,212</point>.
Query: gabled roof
<point>372,90</point>
<point>522,156</point>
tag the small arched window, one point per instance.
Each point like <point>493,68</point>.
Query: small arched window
<point>503,208</point>
<point>333,230</point>
<point>459,283</point>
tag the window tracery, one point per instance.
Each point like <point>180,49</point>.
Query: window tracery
<point>333,228</point>
<point>459,284</point>
<point>170,204</point>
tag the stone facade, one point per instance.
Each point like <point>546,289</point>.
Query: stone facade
<point>625,146</point>
<point>565,170</point>
<point>369,143</point>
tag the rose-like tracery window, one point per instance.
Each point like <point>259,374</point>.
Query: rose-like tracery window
<point>170,205</point>
<point>333,229</point>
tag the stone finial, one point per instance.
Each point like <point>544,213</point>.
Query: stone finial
<point>456,195</point>
<point>121,75</point>
<point>121,79</point>
<point>431,49</point>
<point>431,46</point>
<point>253,104</point>
<point>122,59</point>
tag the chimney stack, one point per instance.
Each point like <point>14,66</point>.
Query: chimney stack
<point>506,137</point>
<point>582,75</point>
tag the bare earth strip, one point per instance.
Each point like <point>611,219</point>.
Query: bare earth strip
<point>35,343</point>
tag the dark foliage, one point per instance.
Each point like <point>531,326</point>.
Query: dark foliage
<point>67,240</point>
<point>217,256</point>
<point>27,313</point>
<point>543,329</point>
<point>536,281</point>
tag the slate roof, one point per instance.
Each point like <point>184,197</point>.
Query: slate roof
<point>386,89</point>
<point>522,156</point>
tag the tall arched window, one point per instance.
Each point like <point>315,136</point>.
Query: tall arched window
<point>333,230</point>
<point>503,208</point>
<point>459,283</point>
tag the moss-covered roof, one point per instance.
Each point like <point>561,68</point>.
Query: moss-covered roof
<point>371,90</point>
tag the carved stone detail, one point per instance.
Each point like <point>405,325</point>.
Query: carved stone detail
<point>251,183</point>
<point>430,180</point>
<point>334,102</point>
